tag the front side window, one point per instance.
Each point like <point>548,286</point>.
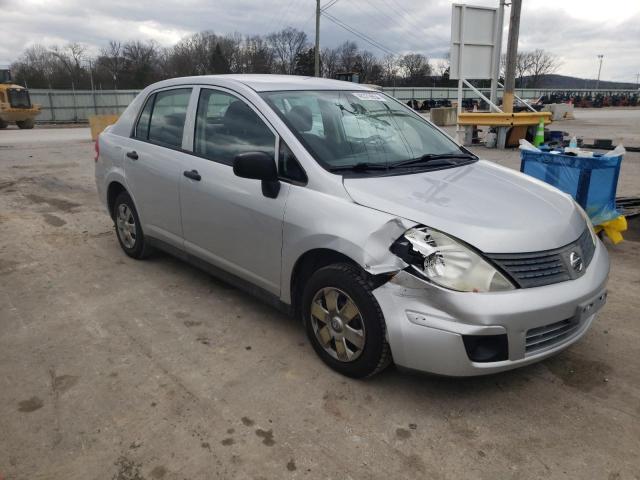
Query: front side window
<point>344,129</point>
<point>288,166</point>
<point>226,126</point>
<point>167,117</point>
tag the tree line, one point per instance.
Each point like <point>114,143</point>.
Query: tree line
<point>136,64</point>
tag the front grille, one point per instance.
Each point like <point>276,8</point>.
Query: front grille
<point>535,269</point>
<point>549,335</point>
<point>19,98</point>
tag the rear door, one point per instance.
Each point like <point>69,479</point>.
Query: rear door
<point>154,162</point>
<point>226,219</point>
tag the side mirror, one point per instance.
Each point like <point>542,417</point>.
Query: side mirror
<point>258,166</point>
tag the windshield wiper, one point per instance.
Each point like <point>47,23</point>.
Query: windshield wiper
<point>430,157</point>
<point>360,167</point>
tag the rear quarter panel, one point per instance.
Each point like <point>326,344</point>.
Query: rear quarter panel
<point>109,167</point>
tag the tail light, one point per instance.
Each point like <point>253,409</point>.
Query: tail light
<point>97,149</point>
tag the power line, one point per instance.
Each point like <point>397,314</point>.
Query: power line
<point>358,34</point>
<point>401,33</point>
<point>329,4</point>
<point>408,18</point>
<point>283,19</point>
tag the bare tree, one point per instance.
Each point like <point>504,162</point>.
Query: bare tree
<point>532,66</point>
<point>541,63</point>
<point>370,68</point>
<point>415,68</point>
<point>141,60</point>
<point>255,56</point>
<point>36,67</point>
<point>329,62</point>
<point>286,45</point>
<point>348,56</point>
<point>389,66</point>
<point>112,61</point>
<point>441,68</point>
<point>71,57</point>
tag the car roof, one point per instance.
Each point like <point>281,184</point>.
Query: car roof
<point>267,83</point>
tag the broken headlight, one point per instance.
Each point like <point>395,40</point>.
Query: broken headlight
<point>447,262</point>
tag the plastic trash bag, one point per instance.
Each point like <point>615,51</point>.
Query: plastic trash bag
<point>524,145</point>
<point>616,152</point>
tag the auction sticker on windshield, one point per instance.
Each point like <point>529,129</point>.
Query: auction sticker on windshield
<point>376,97</point>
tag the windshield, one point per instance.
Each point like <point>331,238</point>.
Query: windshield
<point>343,129</point>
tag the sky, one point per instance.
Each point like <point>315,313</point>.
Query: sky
<point>574,30</point>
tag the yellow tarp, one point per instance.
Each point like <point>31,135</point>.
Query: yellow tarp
<point>98,123</point>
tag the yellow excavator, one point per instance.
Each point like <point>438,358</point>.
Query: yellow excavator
<point>15,103</point>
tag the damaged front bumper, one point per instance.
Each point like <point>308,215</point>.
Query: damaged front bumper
<point>429,327</point>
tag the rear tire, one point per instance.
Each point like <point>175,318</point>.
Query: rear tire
<point>3,124</point>
<point>26,124</point>
<point>128,228</point>
<point>344,322</point>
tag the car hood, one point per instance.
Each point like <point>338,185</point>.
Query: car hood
<point>493,208</point>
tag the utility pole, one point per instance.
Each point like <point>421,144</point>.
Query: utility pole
<point>512,54</point>
<point>497,54</point>
<point>638,81</point>
<point>316,67</point>
<point>599,70</point>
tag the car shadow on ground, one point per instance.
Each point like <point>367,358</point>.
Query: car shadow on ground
<point>562,366</point>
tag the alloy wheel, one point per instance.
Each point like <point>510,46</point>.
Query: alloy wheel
<point>126,225</point>
<point>337,324</point>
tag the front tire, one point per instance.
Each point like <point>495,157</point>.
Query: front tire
<point>3,124</point>
<point>344,322</point>
<point>128,228</point>
<point>26,124</point>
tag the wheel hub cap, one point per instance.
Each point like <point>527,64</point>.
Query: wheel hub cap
<point>337,324</point>
<point>126,225</point>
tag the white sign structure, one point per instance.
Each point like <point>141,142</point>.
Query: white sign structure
<point>474,36</point>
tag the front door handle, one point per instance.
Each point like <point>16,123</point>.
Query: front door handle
<point>192,174</point>
<point>133,155</point>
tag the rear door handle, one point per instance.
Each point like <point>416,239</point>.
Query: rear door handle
<point>192,174</point>
<point>133,155</point>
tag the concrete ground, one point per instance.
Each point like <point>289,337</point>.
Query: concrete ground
<point>112,368</point>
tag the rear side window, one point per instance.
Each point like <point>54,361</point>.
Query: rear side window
<point>162,119</point>
<point>226,126</point>
<point>142,127</point>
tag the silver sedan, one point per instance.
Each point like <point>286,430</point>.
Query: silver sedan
<point>340,205</point>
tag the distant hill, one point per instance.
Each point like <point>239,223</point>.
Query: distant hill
<point>566,82</point>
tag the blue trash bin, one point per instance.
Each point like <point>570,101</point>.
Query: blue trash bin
<point>591,181</point>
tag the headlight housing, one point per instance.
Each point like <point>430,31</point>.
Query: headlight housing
<point>592,231</point>
<point>442,260</point>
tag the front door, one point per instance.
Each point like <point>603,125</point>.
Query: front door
<point>226,219</point>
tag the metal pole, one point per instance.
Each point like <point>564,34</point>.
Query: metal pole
<point>53,109</point>
<point>497,52</point>
<point>316,67</point>
<point>599,70</point>
<point>480,94</point>
<point>460,129</point>
<point>512,54</point>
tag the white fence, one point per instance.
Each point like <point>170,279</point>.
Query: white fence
<point>76,106</point>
